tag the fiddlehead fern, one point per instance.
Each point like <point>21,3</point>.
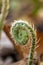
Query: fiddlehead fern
<point>19,31</point>
<point>4,12</point>
<point>22,32</point>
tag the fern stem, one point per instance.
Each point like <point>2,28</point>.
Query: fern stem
<point>4,12</point>
<point>32,46</point>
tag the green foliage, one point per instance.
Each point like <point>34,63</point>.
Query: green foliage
<point>16,5</point>
<point>37,6</point>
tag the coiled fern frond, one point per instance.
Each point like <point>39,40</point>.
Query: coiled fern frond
<point>23,32</point>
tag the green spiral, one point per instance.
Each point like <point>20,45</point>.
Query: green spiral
<point>20,33</point>
<point>23,32</point>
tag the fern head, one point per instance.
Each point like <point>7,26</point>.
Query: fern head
<point>20,32</point>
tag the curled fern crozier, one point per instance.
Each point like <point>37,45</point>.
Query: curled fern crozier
<point>23,32</point>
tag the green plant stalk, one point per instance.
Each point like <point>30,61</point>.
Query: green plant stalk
<point>32,46</point>
<point>4,12</point>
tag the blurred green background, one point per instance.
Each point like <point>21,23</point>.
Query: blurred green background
<point>25,9</point>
